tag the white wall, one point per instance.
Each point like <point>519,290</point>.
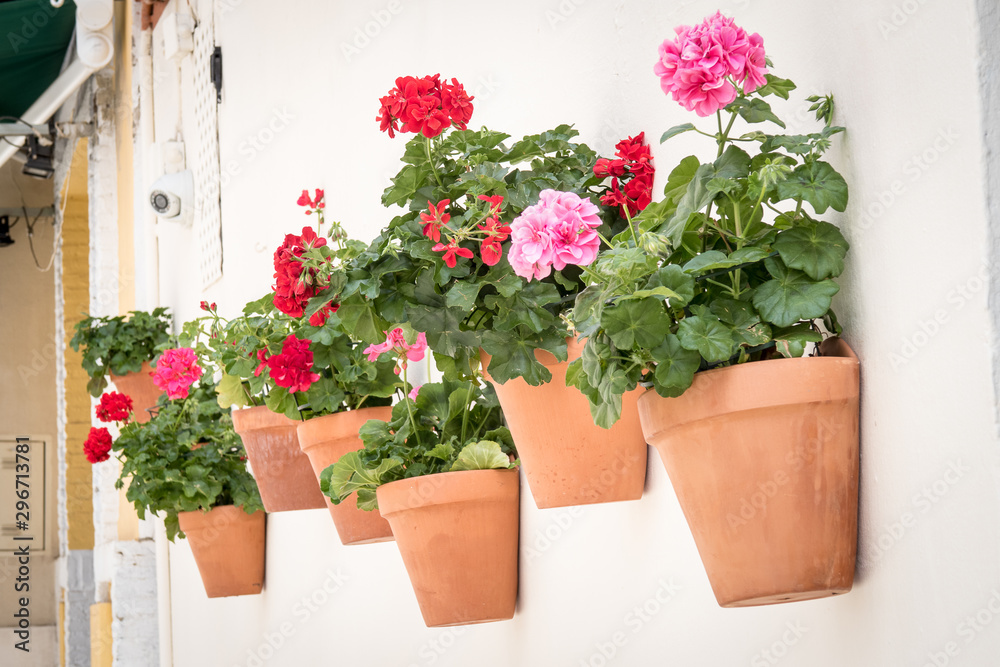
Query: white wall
<point>913,302</point>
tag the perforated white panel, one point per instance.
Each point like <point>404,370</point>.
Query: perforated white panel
<point>208,215</point>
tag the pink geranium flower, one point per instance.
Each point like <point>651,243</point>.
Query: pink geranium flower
<point>395,342</point>
<point>176,370</point>
<point>559,230</point>
<point>702,66</point>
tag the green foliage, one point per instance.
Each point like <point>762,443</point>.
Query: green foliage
<point>399,279</point>
<point>347,379</point>
<point>452,425</point>
<point>186,457</point>
<point>727,268</point>
<point>119,344</point>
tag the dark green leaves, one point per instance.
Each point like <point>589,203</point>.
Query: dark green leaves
<point>642,322</point>
<point>815,247</point>
<point>791,296</point>
<point>675,367</point>
<point>817,183</point>
<point>708,337</point>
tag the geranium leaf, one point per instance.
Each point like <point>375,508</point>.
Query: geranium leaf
<point>482,455</point>
<point>675,130</point>
<point>675,367</point>
<point>640,323</point>
<point>814,247</point>
<point>791,296</point>
<point>817,183</point>
<point>708,336</point>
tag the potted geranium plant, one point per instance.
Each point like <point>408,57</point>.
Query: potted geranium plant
<point>710,298</point>
<point>311,385</point>
<point>187,464</point>
<point>123,347</point>
<point>441,469</point>
<point>461,264</point>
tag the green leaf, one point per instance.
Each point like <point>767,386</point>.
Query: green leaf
<point>776,86</point>
<point>791,341</point>
<point>640,323</point>
<point>482,455</point>
<point>709,337</point>
<point>675,367</point>
<point>675,130</point>
<point>676,280</point>
<point>696,197</point>
<point>709,260</point>
<point>754,110</point>
<point>443,327</point>
<point>513,356</point>
<point>230,392</point>
<point>733,163</point>
<point>679,178</point>
<point>791,296</point>
<point>463,295</point>
<point>817,183</point>
<point>815,247</point>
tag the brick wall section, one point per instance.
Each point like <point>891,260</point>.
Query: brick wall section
<point>76,296</point>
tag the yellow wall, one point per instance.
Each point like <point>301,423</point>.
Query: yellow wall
<point>100,635</point>
<point>76,293</point>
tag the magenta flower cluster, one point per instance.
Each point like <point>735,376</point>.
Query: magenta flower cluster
<point>703,65</point>
<point>176,370</point>
<point>560,229</point>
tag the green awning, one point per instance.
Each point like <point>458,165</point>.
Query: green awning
<point>34,37</point>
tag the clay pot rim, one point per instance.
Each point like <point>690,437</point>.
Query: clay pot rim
<point>147,366</point>
<point>315,431</point>
<point>403,494</point>
<point>693,406</point>
<point>199,516</point>
<point>258,417</point>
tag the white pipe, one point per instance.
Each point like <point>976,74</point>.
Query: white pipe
<point>94,50</point>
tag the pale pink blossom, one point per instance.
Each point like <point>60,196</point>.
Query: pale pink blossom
<point>559,230</point>
<point>413,392</point>
<point>176,370</point>
<point>395,341</point>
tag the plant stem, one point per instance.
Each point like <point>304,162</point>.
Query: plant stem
<point>430,160</point>
<point>409,408</point>
<point>628,219</point>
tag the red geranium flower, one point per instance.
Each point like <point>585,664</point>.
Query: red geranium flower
<point>97,445</point>
<point>114,407</point>
<point>450,251</point>
<point>631,175</point>
<point>292,368</point>
<point>435,220</point>
<point>424,106</point>
<point>319,318</point>
<point>291,293</point>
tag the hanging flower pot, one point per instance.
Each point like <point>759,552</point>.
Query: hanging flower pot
<point>140,388</point>
<point>324,440</point>
<point>283,473</point>
<point>567,459</point>
<point>228,547</point>
<point>458,536</point>
<point>763,457</point>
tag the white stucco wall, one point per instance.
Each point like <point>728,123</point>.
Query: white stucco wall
<point>298,112</point>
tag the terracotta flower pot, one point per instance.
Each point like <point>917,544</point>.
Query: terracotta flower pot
<point>228,547</point>
<point>324,440</point>
<point>569,460</point>
<point>457,533</point>
<point>763,457</point>
<point>284,476</point>
<point>140,388</point>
